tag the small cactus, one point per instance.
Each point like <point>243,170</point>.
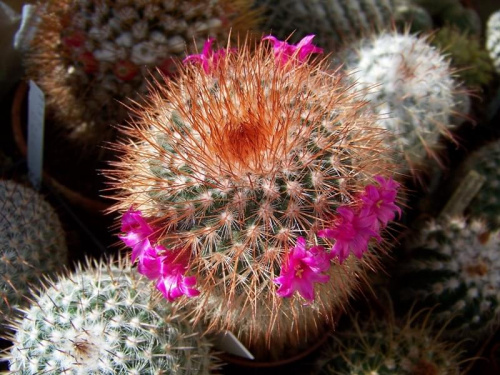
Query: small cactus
<point>32,243</point>
<point>102,319</point>
<point>389,347</point>
<point>455,265</point>
<point>92,56</point>
<point>235,175</point>
<point>493,39</point>
<point>413,90</point>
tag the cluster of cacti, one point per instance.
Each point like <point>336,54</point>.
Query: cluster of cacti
<point>103,319</point>
<point>467,55</point>
<point>454,266</point>
<point>242,175</point>
<point>389,347</point>
<point>493,39</point>
<point>333,21</point>
<point>92,57</point>
<point>32,243</point>
<point>412,88</point>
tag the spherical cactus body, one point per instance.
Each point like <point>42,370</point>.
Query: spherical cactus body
<point>493,39</point>
<point>454,268</point>
<point>32,243</point>
<point>103,319</point>
<point>411,88</point>
<point>92,58</point>
<point>389,347</point>
<point>235,175</point>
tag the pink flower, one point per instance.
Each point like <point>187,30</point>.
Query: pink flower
<point>284,52</point>
<point>172,282</point>
<point>150,263</point>
<point>207,58</point>
<point>302,269</point>
<point>138,232</point>
<point>380,201</point>
<point>351,233</point>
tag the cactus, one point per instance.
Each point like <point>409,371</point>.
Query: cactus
<point>389,347</point>
<point>493,38</point>
<point>412,89</point>
<point>32,243</point>
<point>231,175</point>
<point>92,56</point>
<point>455,265</point>
<point>335,22</point>
<point>474,66</point>
<point>103,319</point>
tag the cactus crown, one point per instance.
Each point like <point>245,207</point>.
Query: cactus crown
<point>32,242</point>
<point>103,319</point>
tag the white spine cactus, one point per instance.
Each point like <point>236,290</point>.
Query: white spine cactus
<point>103,319</point>
<point>493,38</point>
<point>32,242</point>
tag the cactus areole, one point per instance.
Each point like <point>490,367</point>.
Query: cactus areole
<point>248,184</point>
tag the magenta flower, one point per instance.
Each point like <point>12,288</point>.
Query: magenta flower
<point>380,200</point>
<point>302,269</point>
<point>172,282</point>
<point>150,263</point>
<point>351,233</point>
<point>207,58</point>
<point>138,232</point>
<point>284,52</point>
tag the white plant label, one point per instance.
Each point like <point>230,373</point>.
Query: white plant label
<point>227,342</point>
<point>36,120</point>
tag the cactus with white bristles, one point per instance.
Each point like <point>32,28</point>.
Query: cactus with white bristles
<point>103,319</point>
<point>32,243</point>
<point>455,265</point>
<point>91,56</point>
<point>389,346</point>
<point>243,174</point>
<point>412,88</point>
<point>493,39</point>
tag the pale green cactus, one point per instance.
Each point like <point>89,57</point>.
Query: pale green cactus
<point>32,243</point>
<point>103,319</point>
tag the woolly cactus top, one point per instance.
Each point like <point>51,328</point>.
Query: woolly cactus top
<point>103,320</point>
<point>239,168</point>
<point>32,242</point>
<point>411,87</point>
<point>493,38</point>
<point>89,55</point>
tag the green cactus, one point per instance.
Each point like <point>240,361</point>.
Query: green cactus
<point>32,243</point>
<point>493,39</point>
<point>389,347</point>
<point>103,319</point>
<point>455,264</point>
<point>471,61</point>
<point>92,56</point>
<point>452,13</point>
<point>233,166</point>
<point>412,88</point>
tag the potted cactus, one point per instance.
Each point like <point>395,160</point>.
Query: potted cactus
<point>256,190</point>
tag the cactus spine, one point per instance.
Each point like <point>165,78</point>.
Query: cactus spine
<point>102,319</point>
<point>32,243</point>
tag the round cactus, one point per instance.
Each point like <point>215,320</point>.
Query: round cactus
<point>493,38</point>
<point>455,265</point>
<point>103,319</point>
<point>389,347</point>
<point>411,88</point>
<point>32,243</point>
<point>251,165</point>
<point>91,57</point>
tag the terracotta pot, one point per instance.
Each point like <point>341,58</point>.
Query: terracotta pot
<point>76,198</point>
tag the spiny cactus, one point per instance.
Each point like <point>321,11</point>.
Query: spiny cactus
<point>470,59</point>
<point>334,22</point>
<point>455,264</point>
<point>103,319</point>
<point>91,56</point>
<point>413,90</point>
<point>232,174</point>
<point>493,38</point>
<point>32,243</point>
<point>389,347</point>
